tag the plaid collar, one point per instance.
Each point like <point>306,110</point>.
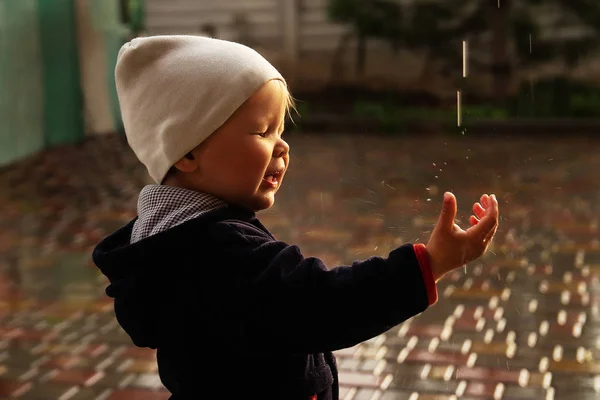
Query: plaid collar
<point>161,207</point>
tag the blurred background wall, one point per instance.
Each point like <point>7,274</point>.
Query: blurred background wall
<point>21,89</point>
<point>307,36</point>
<point>526,58</point>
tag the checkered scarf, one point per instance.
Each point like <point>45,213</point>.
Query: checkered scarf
<point>161,207</point>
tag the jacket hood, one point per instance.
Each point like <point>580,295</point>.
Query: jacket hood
<point>139,273</point>
<point>130,275</point>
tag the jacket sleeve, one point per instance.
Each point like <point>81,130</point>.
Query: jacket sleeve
<point>295,304</point>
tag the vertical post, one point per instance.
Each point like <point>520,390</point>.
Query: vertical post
<point>107,18</point>
<point>21,91</point>
<point>92,61</point>
<point>290,25</point>
<point>63,112</point>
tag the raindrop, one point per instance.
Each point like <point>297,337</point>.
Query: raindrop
<point>465,52</point>
<point>530,45</point>
<point>458,108</point>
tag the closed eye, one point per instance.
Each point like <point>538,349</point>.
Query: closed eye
<point>266,133</point>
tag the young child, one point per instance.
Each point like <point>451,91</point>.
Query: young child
<point>233,312</point>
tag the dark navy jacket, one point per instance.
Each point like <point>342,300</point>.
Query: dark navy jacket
<point>234,312</point>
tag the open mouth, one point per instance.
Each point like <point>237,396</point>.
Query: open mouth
<point>272,177</point>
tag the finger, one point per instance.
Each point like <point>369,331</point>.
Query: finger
<point>478,210</point>
<point>484,200</point>
<point>493,205</point>
<point>473,220</point>
<point>448,214</point>
<point>488,223</point>
<point>490,236</point>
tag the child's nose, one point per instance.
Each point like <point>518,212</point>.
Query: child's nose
<point>281,149</point>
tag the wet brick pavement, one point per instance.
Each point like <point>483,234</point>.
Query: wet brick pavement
<point>522,323</point>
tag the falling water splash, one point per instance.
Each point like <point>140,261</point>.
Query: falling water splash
<point>530,45</point>
<point>465,51</point>
<point>532,93</point>
<point>464,58</point>
<point>458,108</point>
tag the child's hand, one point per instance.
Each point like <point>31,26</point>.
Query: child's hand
<point>450,247</point>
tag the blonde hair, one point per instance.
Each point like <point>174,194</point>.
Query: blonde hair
<point>290,102</point>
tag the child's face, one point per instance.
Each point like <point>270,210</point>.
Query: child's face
<point>236,162</point>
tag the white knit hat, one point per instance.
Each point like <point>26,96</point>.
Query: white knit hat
<point>175,91</point>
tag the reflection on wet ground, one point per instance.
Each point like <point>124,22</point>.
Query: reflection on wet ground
<point>522,323</point>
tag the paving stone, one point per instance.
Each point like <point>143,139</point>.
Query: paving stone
<point>76,377</point>
<point>66,362</point>
<point>353,379</point>
<point>396,395</point>
<point>139,353</point>
<point>18,374</point>
<point>369,366</point>
<point>518,393</point>
<point>11,387</point>
<point>424,356</point>
<point>500,361</point>
<point>51,391</point>
<point>365,394</point>
<point>21,358</point>
<point>148,381</point>
<point>422,331</point>
<point>348,364</point>
<point>138,394</point>
<point>406,372</point>
<point>426,396</point>
<point>495,348</point>
<point>482,389</point>
<point>487,374</point>
<point>113,380</point>
<point>426,386</point>
<point>95,350</point>
<point>394,341</point>
<point>139,366</point>
<point>575,367</point>
<point>569,383</point>
<point>85,394</point>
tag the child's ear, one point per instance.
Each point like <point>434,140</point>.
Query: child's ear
<point>186,164</point>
